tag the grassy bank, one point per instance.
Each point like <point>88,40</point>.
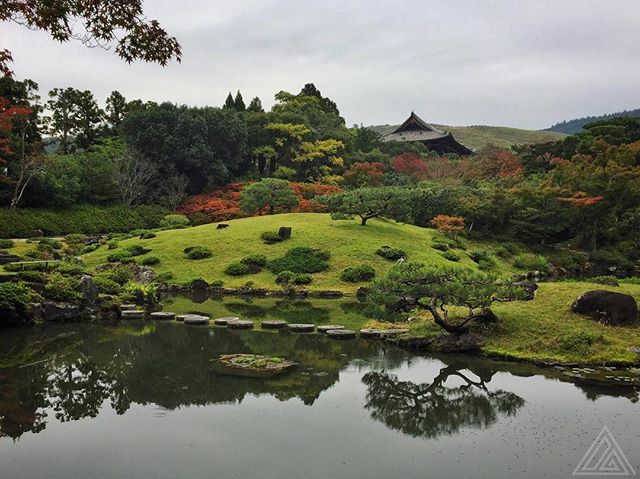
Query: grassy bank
<point>348,244</point>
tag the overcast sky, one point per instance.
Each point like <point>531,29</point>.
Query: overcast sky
<point>524,63</point>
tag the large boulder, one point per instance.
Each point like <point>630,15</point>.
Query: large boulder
<point>87,287</point>
<point>615,309</point>
<point>54,311</point>
<point>457,343</point>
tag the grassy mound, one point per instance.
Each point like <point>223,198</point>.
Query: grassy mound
<point>348,244</point>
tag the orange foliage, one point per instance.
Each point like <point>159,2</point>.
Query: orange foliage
<point>410,164</point>
<point>223,204</point>
<point>448,224</point>
<point>364,174</point>
<point>582,199</point>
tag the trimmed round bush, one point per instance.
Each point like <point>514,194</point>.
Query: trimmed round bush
<point>199,252</point>
<point>531,262</point>
<point>363,272</point>
<point>6,243</point>
<point>289,277</point>
<point>271,237</point>
<point>106,285</point>
<point>388,252</point>
<point>113,244</point>
<point>14,301</point>
<point>119,256</point>
<point>147,235</point>
<point>255,259</point>
<point>301,260</point>
<point>150,261</point>
<point>451,256</point>
<point>174,222</point>
<point>137,250</point>
<point>237,269</point>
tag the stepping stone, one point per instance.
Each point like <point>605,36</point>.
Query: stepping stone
<point>195,319</point>
<point>370,333</point>
<point>162,315</point>
<point>239,324</point>
<point>392,333</point>
<point>341,334</point>
<point>180,317</point>
<point>224,321</point>
<point>301,328</point>
<point>329,327</point>
<point>273,324</point>
<point>128,307</point>
<point>131,314</point>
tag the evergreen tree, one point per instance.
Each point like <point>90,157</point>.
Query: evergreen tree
<point>239,102</point>
<point>229,103</point>
<point>255,106</point>
<point>115,111</point>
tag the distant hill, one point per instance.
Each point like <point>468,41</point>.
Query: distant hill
<point>478,136</point>
<point>570,127</point>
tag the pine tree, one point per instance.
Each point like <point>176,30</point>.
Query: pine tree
<point>229,104</point>
<point>255,106</point>
<point>239,102</point>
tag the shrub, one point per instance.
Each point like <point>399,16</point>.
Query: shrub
<point>506,249</point>
<point>113,244</point>
<point>6,243</point>
<point>69,268</point>
<point>391,253</point>
<point>75,238</point>
<point>531,262</point>
<point>119,273</point>
<point>32,276</point>
<point>140,293</point>
<point>271,237</point>
<point>579,341</point>
<point>255,259</point>
<point>237,269</point>
<point>451,256</point>
<point>440,246</point>
<point>611,259</point>
<point>174,222</point>
<point>90,248</point>
<point>362,272</point>
<point>61,288</point>
<point>147,235</point>
<point>137,250</point>
<point>78,219</point>
<point>484,259</point>
<point>49,243</point>
<point>14,301</point>
<point>106,285</point>
<point>119,256</point>
<point>164,277</point>
<point>301,260</point>
<point>150,261</point>
<point>288,277</point>
<point>199,252</point>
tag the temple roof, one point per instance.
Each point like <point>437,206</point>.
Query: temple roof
<point>415,128</point>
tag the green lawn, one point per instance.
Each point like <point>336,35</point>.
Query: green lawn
<point>348,243</point>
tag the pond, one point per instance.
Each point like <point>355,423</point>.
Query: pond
<point>137,400</point>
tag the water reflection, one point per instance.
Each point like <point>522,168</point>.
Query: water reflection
<point>436,408</point>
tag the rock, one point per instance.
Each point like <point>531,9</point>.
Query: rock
<point>301,328</point>
<point>222,226</point>
<point>392,333</point>
<point>128,307</point>
<point>607,307</point>
<point>328,327</point>
<point>195,319</point>
<point>239,324</point>
<point>180,317</point>
<point>457,343</point>
<point>341,334</point>
<point>54,311</point>
<point>606,280</point>
<point>143,274</point>
<point>132,314</point>
<point>418,343</point>
<point>328,294</point>
<point>87,287</point>
<point>528,287</point>
<point>224,321</point>
<point>284,232</point>
<point>6,258</point>
<point>370,333</point>
<point>199,285</point>
<point>162,316</point>
<point>251,365</point>
<point>273,324</point>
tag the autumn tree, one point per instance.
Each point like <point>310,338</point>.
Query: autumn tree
<point>269,193</point>
<point>449,225</point>
<point>410,164</point>
<point>368,203</point>
<point>360,175</point>
<point>96,23</point>
<point>411,286</point>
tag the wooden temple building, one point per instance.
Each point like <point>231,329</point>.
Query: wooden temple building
<point>416,129</point>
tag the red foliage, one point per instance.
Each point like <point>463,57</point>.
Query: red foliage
<point>364,174</point>
<point>448,224</point>
<point>223,204</point>
<point>582,199</point>
<point>410,164</point>
<point>8,115</point>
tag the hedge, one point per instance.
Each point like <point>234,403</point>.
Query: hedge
<point>85,219</point>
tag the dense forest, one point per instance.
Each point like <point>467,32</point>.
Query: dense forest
<point>577,125</point>
<point>576,198</point>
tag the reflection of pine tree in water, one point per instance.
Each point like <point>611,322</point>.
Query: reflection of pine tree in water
<point>434,409</point>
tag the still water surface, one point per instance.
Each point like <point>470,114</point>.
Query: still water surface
<point>138,401</point>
